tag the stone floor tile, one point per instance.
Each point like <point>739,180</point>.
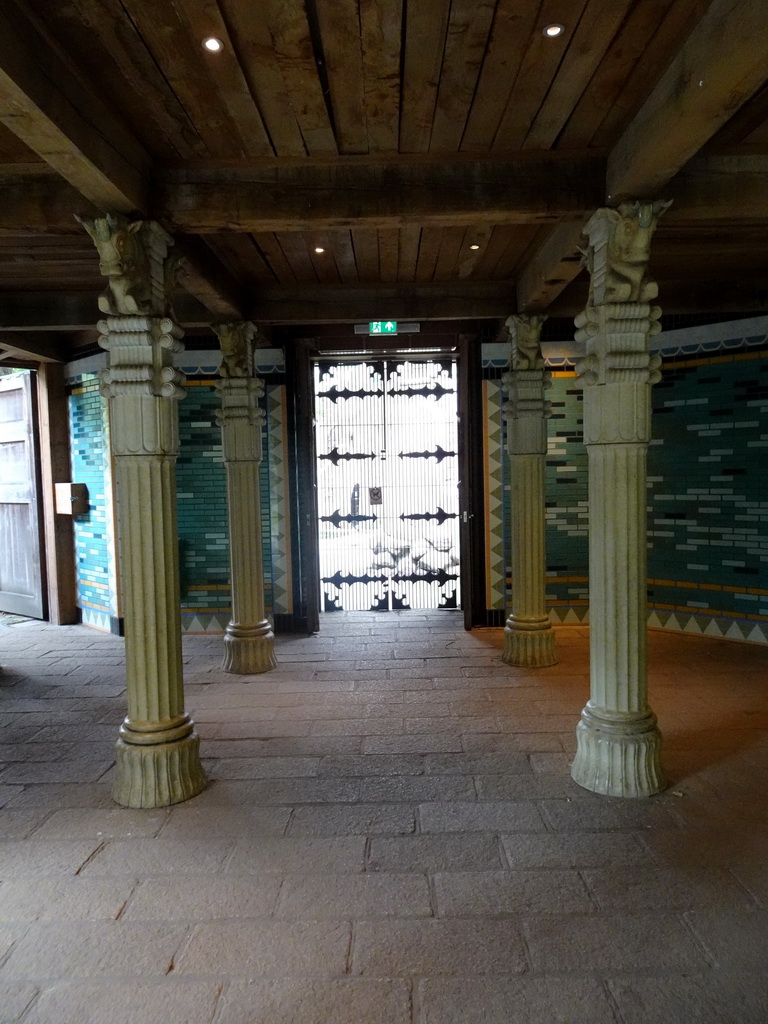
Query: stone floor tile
<point>551,764</point>
<point>101,823</point>
<point>357,727</point>
<point>19,858</point>
<point>482,816</point>
<point>223,896</point>
<point>502,762</point>
<point>264,767</point>
<point>355,819</point>
<point>754,878</point>
<point>63,898</point>
<point>354,896</point>
<point>56,772</point>
<point>411,744</point>
<point>734,938</point>
<point>118,1002</point>
<point>428,947</point>
<point>286,854</point>
<point>304,791</point>
<point>506,742</point>
<point>434,853</point>
<point>146,857</point>
<point>416,788</point>
<point>605,813</point>
<point>381,764</point>
<point>612,942</point>
<point>9,794</point>
<point>224,793</point>
<point>69,794</point>
<point>309,1001</point>
<point>645,888</point>
<point>15,997</point>
<point>18,824</point>
<point>91,949</point>
<point>313,746</point>
<point>711,998</point>
<point>463,724</point>
<point>38,750</point>
<point>241,820</point>
<point>496,893</point>
<point>575,850</point>
<point>679,847</point>
<point>516,1000</point>
<point>266,947</point>
<point>9,934</point>
<point>529,787</point>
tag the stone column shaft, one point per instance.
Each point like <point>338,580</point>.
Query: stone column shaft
<point>249,644</point>
<point>529,640</point>
<point>618,741</point>
<point>158,759</point>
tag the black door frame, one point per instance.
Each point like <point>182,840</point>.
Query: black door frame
<point>300,354</point>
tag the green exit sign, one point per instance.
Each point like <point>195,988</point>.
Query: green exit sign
<point>382,327</point>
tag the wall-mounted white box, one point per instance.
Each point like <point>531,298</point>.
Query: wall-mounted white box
<point>71,499</point>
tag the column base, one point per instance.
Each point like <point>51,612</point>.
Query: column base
<point>529,645</point>
<point>156,775</point>
<point>249,650</point>
<point>618,753</point>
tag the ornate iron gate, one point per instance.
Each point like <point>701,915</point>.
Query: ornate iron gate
<point>386,436</point>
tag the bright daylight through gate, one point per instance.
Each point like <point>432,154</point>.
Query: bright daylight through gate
<point>387,483</point>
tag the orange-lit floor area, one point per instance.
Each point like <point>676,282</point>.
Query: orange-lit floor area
<point>390,836</point>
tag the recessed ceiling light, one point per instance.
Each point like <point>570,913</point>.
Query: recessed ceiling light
<point>213,44</point>
<point>319,248</point>
<point>475,246</point>
<point>554,30</point>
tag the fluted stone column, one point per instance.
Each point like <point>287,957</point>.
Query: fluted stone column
<point>618,739</point>
<point>249,643</point>
<point>529,640</point>
<point>158,760</point>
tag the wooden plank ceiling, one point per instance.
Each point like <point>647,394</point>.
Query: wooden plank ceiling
<point>440,156</point>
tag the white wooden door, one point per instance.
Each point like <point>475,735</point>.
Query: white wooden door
<point>21,577</point>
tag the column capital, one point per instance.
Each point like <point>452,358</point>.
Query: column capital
<point>617,255</point>
<point>524,331</point>
<point>237,339</point>
<point>134,257</point>
<point>139,376</point>
<point>524,386</point>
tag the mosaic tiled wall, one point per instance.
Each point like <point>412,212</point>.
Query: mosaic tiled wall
<point>201,489</point>
<point>708,496</point>
<point>202,509</point>
<point>96,570</point>
<point>566,502</point>
<point>202,501</point>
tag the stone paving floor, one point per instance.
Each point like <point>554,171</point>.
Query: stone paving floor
<point>390,836</point>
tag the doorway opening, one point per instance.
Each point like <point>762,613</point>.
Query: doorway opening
<point>387,471</point>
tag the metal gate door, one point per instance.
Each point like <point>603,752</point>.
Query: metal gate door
<point>386,435</point>
<point>21,582</point>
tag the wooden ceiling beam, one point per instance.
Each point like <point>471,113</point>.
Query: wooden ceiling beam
<point>552,268</point>
<point>29,347</point>
<point>46,106</point>
<point>371,193</point>
<point>719,67</point>
<point>719,188</point>
<point>104,167</point>
<point>428,301</point>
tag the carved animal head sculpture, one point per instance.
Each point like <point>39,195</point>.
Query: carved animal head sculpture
<point>124,261</point>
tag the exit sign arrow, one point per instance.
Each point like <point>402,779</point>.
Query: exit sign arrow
<point>382,327</point>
